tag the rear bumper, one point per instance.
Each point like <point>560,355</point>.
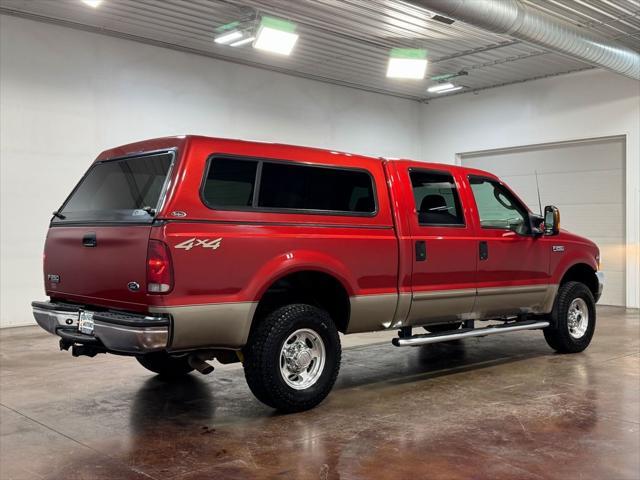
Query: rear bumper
<point>127,333</point>
<point>600,276</point>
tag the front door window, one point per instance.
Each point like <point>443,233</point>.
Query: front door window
<point>498,208</point>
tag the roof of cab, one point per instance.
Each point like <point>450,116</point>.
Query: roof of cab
<point>448,167</point>
<point>180,141</point>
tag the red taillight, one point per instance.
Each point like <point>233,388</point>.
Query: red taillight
<point>159,268</point>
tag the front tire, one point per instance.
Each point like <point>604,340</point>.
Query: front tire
<point>573,319</point>
<point>292,358</point>
<point>165,365</point>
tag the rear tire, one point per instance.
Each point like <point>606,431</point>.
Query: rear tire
<point>443,328</point>
<point>573,319</point>
<point>165,365</point>
<point>292,358</point>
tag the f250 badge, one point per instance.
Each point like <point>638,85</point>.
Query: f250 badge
<point>558,248</point>
<point>200,242</point>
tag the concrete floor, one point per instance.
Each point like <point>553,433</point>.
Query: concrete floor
<point>502,407</point>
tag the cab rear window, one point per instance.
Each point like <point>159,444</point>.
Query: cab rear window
<point>123,190</point>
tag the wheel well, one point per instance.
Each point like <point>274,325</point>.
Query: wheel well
<point>583,273</point>
<point>310,287</point>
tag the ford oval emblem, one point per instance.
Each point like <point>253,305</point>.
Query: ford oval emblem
<point>133,286</point>
<point>178,213</point>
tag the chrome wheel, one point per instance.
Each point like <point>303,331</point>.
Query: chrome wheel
<point>578,318</point>
<point>302,358</point>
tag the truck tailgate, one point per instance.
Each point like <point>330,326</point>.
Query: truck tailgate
<point>98,265</point>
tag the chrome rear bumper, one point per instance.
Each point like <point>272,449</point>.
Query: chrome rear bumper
<point>119,332</point>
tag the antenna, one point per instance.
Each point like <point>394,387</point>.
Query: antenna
<point>538,189</point>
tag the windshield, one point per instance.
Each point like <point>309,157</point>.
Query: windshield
<point>125,190</point>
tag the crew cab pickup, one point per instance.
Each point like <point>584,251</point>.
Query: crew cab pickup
<point>181,250</point>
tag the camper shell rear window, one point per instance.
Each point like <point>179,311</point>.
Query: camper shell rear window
<point>123,190</point>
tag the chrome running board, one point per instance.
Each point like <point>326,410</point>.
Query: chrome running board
<point>427,338</point>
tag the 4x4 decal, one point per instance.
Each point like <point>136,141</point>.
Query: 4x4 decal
<point>200,242</point>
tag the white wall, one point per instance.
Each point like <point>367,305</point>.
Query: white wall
<point>582,105</point>
<point>66,95</point>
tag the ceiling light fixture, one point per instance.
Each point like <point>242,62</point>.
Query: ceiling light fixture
<point>244,41</point>
<point>229,37</point>
<point>448,76</point>
<point>454,89</point>
<point>92,3</point>
<point>440,87</point>
<point>407,63</point>
<point>276,35</point>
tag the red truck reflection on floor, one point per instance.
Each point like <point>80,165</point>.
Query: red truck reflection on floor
<point>181,250</point>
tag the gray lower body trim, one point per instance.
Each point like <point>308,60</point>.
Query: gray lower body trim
<point>372,312</point>
<point>222,325</point>
<point>441,306</point>
<point>227,325</point>
<point>402,310</point>
<point>499,301</point>
<point>600,277</point>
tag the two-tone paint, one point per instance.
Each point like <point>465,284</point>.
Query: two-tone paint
<point>225,260</point>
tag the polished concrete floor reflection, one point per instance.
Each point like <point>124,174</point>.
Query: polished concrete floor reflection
<point>502,407</point>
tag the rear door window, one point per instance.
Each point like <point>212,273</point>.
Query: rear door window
<point>436,198</point>
<point>123,190</point>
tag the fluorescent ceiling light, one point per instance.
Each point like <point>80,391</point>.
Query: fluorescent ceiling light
<point>440,87</point>
<point>275,41</point>
<point>244,41</point>
<point>226,38</point>
<point>407,63</point>
<point>276,36</point>
<point>92,3</point>
<point>406,68</point>
<point>450,90</point>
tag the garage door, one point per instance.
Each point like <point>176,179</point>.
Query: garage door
<point>585,180</point>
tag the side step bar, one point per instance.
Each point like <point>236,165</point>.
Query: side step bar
<point>427,338</point>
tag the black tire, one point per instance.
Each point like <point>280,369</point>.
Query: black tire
<point>262,358</point>
<point>165,365</point>
<point>558,335</point>
<point>443,328</point>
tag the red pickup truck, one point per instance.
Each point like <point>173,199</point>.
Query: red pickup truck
<point>185,249</point>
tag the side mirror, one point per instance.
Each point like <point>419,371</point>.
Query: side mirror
<point>536,225</point>
<point>551,220</point>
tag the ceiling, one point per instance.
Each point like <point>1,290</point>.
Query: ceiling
<point>347,42</point>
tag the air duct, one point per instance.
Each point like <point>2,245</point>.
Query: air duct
<point>517,20</point>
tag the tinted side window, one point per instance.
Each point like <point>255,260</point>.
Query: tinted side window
<point>289,186</point>
<point>230,183</point>
<point>436,198</point>
<point>497,207</point>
